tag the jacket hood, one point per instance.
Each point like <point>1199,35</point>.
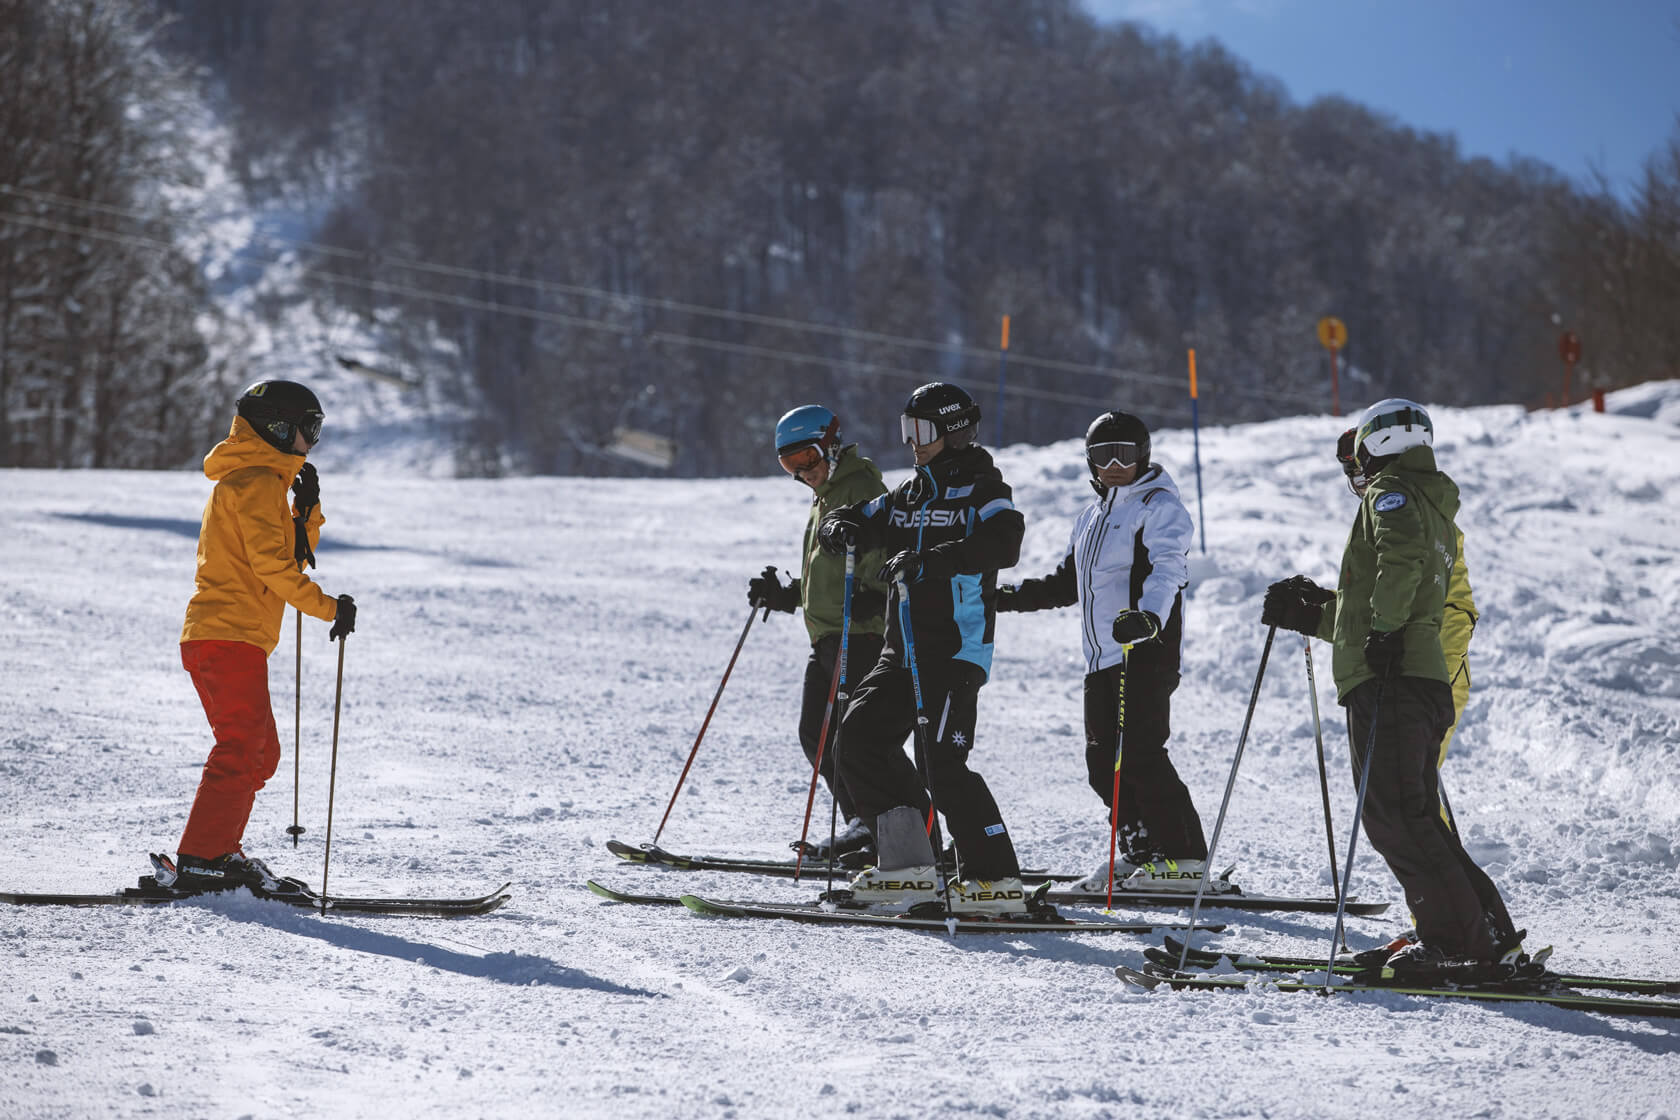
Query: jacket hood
<point>1415,468</point>
<point>1155,478</point>
<point>848,463</point>
<point>244,448</point>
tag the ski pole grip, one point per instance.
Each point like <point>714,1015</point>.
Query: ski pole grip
<point>768,573</point>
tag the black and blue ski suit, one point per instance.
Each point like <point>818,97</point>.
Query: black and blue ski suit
<point>957,514</point>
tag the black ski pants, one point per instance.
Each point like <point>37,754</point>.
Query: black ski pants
<point>862,651</point>
<point>1457,907</point>
<point>878,775</point>
<point>1156,814</point>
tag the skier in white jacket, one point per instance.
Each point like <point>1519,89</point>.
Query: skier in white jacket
<point>1127,566</point>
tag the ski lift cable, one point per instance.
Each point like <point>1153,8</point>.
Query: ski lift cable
<point>497,307</point>
<point>549,286</point>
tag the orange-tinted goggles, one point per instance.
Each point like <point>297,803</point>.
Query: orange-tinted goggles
<point>801,459</point>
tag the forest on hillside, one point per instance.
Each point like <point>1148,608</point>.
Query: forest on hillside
<point>690,217</point>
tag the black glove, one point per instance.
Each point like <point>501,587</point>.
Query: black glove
<point>345,621</point>
<point>306,490</point>
<point>868,604</point>
<point>1296,603</point>
<point>1134,627</point>
<point>1006,600</point>
<point>301,551</point>
<point>836,534</point>
<point>766,590</point>
<point>906,565</point>
<point>1384,650</point>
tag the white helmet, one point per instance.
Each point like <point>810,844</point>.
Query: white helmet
<point>1390,427</point>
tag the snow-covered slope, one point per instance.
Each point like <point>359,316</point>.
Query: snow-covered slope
<point>533,660</point>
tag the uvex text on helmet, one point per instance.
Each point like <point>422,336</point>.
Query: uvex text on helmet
<point>279,410</point>
<point>939,410</point>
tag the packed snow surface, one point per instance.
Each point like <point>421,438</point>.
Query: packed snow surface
<point>533,660</point>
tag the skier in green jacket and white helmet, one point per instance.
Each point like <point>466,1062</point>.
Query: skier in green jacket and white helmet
<point>809,448</point>
<point>1384,619</point>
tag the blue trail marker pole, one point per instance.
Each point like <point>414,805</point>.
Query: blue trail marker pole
<point>1196,434</point>
<point>1003,364</point>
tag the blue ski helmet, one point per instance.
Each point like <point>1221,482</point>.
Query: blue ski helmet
<point>807,424</point>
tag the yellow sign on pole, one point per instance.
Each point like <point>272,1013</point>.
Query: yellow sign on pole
<point>1332,333</point>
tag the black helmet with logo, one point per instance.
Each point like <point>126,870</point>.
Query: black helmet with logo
<point>940,410</point>
<point>278,410</point>
<point>1116,437</point>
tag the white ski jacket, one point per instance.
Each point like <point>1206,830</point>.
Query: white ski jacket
<point>1129,550</point>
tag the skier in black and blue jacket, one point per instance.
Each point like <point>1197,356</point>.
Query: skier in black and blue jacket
<point>949,527</point>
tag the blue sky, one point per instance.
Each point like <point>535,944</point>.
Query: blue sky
<point>1574,83</point>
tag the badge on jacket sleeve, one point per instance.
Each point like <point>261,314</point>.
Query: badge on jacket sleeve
<point>1389,502</point>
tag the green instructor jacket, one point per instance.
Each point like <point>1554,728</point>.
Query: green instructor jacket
<point>822,578</point>
<point>1400,555</point>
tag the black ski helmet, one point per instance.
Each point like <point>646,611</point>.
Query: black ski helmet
<point>278,410</point>
<point>952,413</point>
<point>1118,427</point>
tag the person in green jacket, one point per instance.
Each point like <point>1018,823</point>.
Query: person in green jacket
<point>1458,620</point>
<point>1384,620</point>
<point>809,447</point>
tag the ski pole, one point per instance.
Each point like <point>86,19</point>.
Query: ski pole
<point>1323,778</point>
<point>332,781</point>
<point>1452,817</point>
<point>739,642</point>
<point>1230,784</point>
<point>305,555</point>
<point>922,749</point>
<point>297,729</point>
<point>1114,800</point>
<point>1338,937</point>
<point>834,695</point>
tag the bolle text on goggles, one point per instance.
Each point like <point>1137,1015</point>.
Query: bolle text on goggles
<point>1105,455</point>
<point>918,432</point>
<point>801,459</point>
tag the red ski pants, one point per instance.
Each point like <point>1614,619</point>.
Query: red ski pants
<point>232,683</point>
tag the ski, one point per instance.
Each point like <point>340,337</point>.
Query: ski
<point>1559,996</point>
<point>1228,900</point>
<point>150,894</point>
<point>813,867</point>
<point>1351,964</point>
<point>1223,900</point>
<point>612,895</point>
<point>817,913</point>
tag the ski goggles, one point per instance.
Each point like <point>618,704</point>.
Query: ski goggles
<point>1105,455</point>
<point>801,459</point>
<point>918,432</point>
<point>310,425</point>
<point>1347,454</point>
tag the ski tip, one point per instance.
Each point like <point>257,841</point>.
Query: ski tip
<point>627,851</point>
<point>1142,981</point>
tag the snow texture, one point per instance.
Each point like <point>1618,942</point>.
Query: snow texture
<point>533,660</point>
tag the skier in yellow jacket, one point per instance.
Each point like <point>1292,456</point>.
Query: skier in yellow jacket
<point>252,546</point>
